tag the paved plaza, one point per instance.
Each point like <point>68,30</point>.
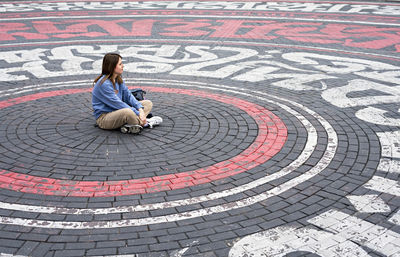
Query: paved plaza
<point>281,132</point>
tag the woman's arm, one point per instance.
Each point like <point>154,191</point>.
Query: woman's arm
<point>106,94</point>
<point>128,98</point>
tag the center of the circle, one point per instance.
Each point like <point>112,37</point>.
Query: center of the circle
<point>272,134</point>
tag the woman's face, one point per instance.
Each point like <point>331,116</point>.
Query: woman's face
<point>119,68</point>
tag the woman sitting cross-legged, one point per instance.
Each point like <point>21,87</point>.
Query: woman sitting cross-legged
<point>114,105</point>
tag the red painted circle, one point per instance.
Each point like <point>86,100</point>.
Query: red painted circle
<point>271,137</point>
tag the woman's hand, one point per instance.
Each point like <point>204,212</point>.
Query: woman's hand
<point>142,117</point>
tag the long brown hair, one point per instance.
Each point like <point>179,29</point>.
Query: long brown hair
<point>110,61</point>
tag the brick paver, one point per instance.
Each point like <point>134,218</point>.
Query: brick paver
<point>280,137</point>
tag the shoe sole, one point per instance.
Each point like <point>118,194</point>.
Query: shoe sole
<point>131,129</point>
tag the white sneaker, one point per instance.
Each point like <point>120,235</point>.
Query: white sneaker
<point>154,121</point>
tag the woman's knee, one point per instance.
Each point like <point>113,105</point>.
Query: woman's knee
<point>129,116</point>
<point>127,112</point>
<point>147,104</point>
<point>116,119</point>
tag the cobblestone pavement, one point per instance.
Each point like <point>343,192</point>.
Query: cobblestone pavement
<point>281,132</point>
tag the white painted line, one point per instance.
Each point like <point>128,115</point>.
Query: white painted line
<point>11,255</point>
<point>27,89</point>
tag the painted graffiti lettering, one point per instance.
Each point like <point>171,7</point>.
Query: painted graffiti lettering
<point>338,96</point>
<point>389,94</point>
<point>341,233</point>
<point>282,241</point>
<point>183,28</point>
<point>340,65</point>
<point>390,147</point>
<point>294,80</point>
<point>240,64</point>
<point>9,31</point>
<point>230,29</point>
<point>297,71</point>
<point>209,68</point>
<point>358,36</point>
<point>303,7</point>
<point>391,76</point>
<point>190,5</point>
<point>180,12</point>
<point>76,28</point>
<point>19,57</point>
<point>378,116</point>
<point>163,53</point>
<point>372,70</point>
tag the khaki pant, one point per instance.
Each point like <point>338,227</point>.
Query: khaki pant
<point>117,119</point>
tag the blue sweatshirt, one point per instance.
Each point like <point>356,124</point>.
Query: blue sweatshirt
<point>104,98</point>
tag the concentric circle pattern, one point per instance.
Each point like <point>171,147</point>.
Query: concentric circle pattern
<point>164,159</point>
<point>280,133</point>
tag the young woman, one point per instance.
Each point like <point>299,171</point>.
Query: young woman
<point>114,105</point>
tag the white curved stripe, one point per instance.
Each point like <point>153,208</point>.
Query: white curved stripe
<point>27,89</point>
<point>322,164</point>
